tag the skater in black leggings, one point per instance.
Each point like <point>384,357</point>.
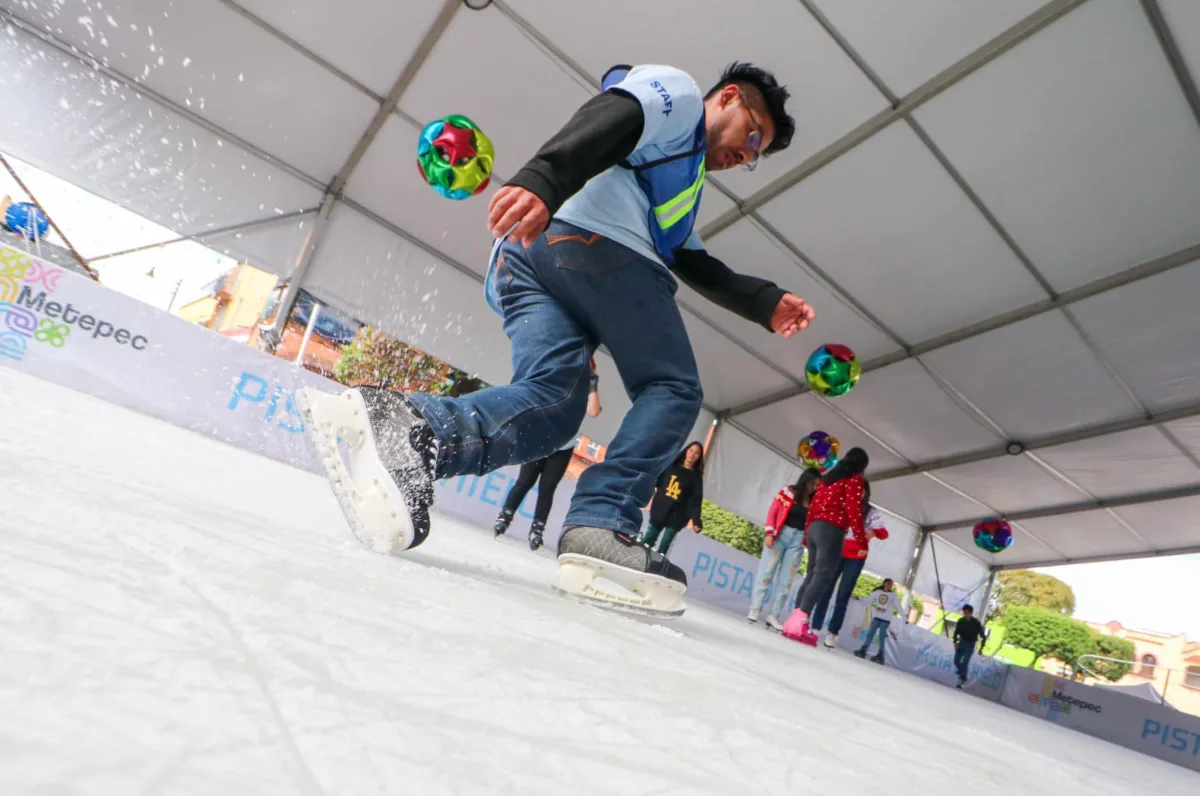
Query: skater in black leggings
<point>550,471</point>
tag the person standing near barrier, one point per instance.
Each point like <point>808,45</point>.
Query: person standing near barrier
<point>678,498</point>
<point>967,633</point>
<point>854,558</point>
<point>546,473</point>
<point>783,542</point>
<point>882,609</point>
<point>836,509</point>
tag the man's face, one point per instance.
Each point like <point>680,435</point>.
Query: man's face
<point>968,614</point>
<point>739,128</point>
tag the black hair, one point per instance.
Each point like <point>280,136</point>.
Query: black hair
<point>853,463</point>
<point>774,96</point>
<point>699,468</point>
<point>968,607</point>
<point>809,475</point>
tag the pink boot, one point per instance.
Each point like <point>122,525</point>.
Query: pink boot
<point>796,627</point>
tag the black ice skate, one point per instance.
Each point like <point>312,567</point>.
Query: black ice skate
<point>878,658</point>
<point>860,654</point>
<point>385,488</point>
<point>502,522</point>
<point>647,582</point>
<point>535,534</point>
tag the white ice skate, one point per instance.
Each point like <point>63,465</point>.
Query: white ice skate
<point>831,640</point>
<point>604,568</point>
<point>377,509</point>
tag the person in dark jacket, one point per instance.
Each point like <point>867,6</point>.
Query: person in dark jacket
<point>546,473</point>
<point>967,633</point>
<point>677,499</point>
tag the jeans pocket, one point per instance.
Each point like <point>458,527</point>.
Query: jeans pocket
<point>575,249</point>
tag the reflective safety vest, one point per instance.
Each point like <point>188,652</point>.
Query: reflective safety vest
<point>672,184</point>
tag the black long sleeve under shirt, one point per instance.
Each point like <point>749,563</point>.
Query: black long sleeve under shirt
<point>601,134</point>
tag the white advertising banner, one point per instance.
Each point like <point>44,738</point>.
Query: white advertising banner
<point>930,655</point>
<point>1123,719</point>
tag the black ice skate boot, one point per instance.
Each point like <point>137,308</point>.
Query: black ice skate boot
<point>878,658</point>
<point>502,522</point>
<point>650,583</point>
<point>860,654</point>
<point>385,488</point>
<point>535,534</point>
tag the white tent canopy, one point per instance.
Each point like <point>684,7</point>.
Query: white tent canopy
<point>993,204</point>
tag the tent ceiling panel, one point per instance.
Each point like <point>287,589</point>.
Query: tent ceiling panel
<point>923,500</point>
<point>833,93</point>
<point>887,210</point>
<point>1011,483</point>
<point>1167,524</point>
<point>368,40</point>
<point>385,281</point>
<point>1092,162</point>
<point>908,43</point>
<point>74,122</point>
<point>1033,378</point>
<point>729,375</point>
<point>1025,549</point>
<point>713,203</point>
<point>1141,460</point>
<point>1086,533</point>
<point>786,423</point>
<point>386,183</point>
<point>1183,18</point>
<point>273,247</point>
<point>1188,433</point>
<point>521,101</point>
<point>744,247</point>
<point>1149,331</point>
<point>204,56</point>
<point>908,410</point>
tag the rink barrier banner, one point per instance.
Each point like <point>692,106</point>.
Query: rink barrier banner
<point>931,656</point>
<point>1125,720</point>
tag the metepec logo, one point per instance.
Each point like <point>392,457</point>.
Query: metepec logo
<point>1055,703</point>
<point>29,313</point>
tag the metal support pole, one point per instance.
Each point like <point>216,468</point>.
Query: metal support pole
<point>273,336</point>
<point>308,330</point>
<point>985,609</point>
<point>913,565</point>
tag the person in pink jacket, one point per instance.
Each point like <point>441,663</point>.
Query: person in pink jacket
<point>783,543</point>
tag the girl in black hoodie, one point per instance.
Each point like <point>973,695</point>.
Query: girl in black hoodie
<point>677,498</point>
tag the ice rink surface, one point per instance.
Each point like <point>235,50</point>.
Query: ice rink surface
<point>181,617</point>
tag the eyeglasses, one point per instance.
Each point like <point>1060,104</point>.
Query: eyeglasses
<point>753,141</point>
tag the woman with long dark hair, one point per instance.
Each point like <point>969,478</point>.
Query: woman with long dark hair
<point>678,496</point>
<point>836,509</point>
<point>782,545</point>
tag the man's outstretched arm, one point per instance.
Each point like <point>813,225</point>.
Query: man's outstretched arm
<point>755,299</point>
<point>602,133</point>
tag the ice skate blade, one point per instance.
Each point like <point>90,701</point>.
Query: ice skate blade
<point>373,505</point>
<point>651,595</point>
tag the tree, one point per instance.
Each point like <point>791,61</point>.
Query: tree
<point>1023,587</point>
<point>1119,649</point>
<point>375,359</point>
<point>1046,633</point>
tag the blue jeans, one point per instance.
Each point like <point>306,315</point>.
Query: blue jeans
<point>962,659</point>
<point>560,299</point>
<point>776,571</point>
<point>880,626</point>
<point>848,572</point>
